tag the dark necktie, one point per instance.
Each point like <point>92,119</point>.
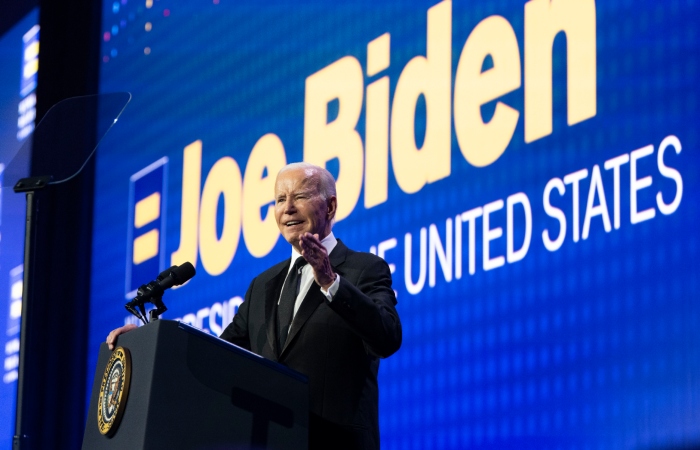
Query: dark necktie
<point>285,310</point>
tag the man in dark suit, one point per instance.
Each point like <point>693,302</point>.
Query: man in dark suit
<point>338,318</point>
<point>345,318</point>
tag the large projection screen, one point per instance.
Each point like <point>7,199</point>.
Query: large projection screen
<point>529,170</point>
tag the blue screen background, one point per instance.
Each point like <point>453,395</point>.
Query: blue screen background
<point>589,346</point>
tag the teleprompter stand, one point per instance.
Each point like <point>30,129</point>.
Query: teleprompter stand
<point>60,131</point>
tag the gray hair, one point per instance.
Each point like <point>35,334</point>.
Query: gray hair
<point>326,182</point>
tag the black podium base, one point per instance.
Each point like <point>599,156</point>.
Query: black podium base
<point>190,390</point>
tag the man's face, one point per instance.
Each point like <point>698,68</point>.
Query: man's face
<point>299,206</point>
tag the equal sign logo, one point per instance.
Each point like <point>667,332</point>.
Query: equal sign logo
<point>146,235</point>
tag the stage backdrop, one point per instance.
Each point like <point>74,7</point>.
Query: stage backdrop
<point>528,169</point>
<point>19,53</point>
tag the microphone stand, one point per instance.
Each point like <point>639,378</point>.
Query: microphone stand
<point>151,293</point>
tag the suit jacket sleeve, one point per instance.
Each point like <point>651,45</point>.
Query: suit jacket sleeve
<point>366,302</point>
<point>237,331</point>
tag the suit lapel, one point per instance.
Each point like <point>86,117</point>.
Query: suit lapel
<point>273,288</point>
<point>314,298</point>
<point>338,254</point>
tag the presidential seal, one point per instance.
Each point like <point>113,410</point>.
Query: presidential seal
<point>114,391</point>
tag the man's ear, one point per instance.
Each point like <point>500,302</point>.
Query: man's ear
<point>332,203</point>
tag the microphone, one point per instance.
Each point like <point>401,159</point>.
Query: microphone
<point>153,291</point>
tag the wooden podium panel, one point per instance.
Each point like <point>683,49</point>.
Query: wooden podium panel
<point>191,390</point>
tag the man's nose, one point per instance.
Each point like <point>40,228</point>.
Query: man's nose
<point>289,206</point>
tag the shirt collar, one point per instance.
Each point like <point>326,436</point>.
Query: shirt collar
<point>329,242</point>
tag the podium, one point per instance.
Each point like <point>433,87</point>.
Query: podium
<point>191,390</point>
